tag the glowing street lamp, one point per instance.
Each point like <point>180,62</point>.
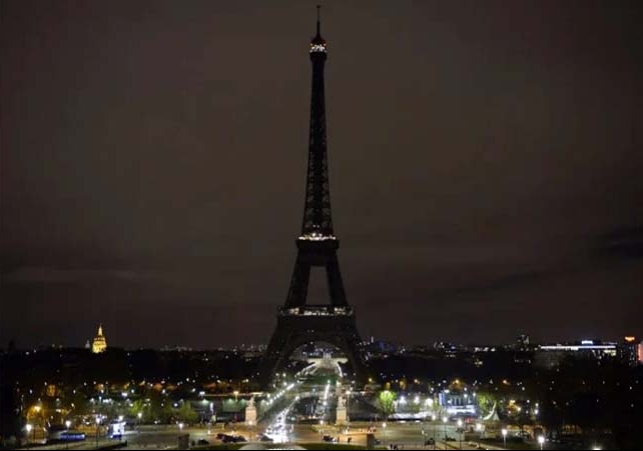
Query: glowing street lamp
<point>504,436</point>
<point>433,427</point>
<point>384,428</point>
<point>67,423</point>
<point>348,417</point>
<point>541,441</point>
<point>181,426</point>
<point>139,415</point>
<point>460,429</point>
<point>97,429</point>
<point>444,420</point>
<point>29,427</point>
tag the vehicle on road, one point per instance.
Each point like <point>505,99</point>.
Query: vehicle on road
<point>230,438</point>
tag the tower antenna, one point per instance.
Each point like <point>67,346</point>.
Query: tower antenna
<point>318,21</point>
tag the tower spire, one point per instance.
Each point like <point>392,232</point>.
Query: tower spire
<point>317,222</point>
<point>318,21</point>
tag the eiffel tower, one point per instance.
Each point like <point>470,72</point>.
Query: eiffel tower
<point>299,323</point>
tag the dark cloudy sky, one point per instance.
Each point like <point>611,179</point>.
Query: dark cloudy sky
<point>486,168</point>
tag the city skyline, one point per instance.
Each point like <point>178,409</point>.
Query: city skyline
<point>482,187</point>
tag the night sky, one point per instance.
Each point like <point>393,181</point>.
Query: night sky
<point>486,166</point>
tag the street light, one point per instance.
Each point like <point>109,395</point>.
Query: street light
<point>348,417</point>
<point>384,428</point>
<point>97,429</point>
<point>433,427</point>
<point>504,436</point>
<point>29,427</point>
<point>444,420</point>
<point>139,415</point>
<point>479,429</point>
<point>460,429</point>
<point>541,441</point>
<point>67,423</point>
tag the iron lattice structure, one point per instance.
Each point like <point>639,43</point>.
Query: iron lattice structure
<point>317,214</point>
<point>299,323</point>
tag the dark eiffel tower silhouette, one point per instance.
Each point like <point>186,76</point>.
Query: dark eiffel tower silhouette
<point>299,323</point>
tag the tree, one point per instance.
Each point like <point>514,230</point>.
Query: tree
<point>140,406</point>
<point>486,403</point>
<point>187,414</point>
<point>385,402</point>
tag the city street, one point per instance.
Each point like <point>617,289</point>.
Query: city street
<point>405,435</point>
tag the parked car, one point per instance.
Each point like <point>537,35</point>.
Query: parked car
<point>202,441</point>
<point>429,442</point>
<point>330,439</point>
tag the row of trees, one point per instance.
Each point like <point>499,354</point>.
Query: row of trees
<point>163,412</point>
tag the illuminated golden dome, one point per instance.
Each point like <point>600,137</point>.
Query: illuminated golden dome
<point>100,343</point>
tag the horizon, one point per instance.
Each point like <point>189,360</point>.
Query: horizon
<point>179,346</point>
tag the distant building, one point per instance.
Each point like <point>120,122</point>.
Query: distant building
<point>457,402</point>
<point>552,355</point>
<point>100,343</point>
<point>631,351</point>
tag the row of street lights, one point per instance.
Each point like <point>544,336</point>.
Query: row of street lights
<point>479,429</point>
